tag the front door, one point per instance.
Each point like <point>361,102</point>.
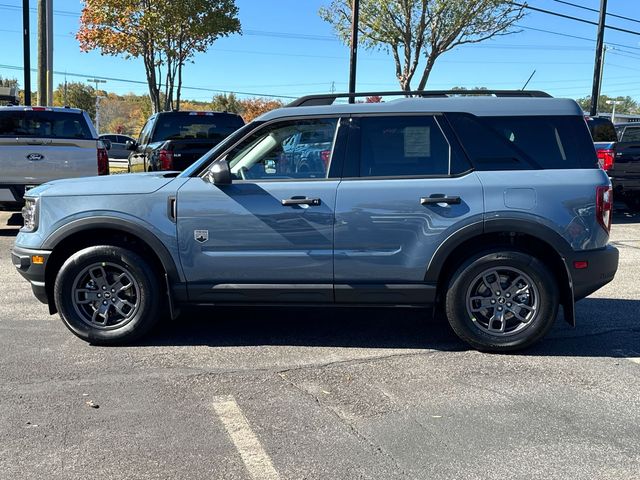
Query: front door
<point>267,237</point>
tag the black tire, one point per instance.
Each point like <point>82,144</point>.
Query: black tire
<point>633,202</point>
<point>462,297</point>
<point>144,287</point>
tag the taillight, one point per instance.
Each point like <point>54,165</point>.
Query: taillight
<point>606,157</point>
<point>325,156</point>
<point>103,161</point>
<point>166,159</point>
<point>604,207</point>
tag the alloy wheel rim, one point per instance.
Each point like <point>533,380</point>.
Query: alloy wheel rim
<point>106,295</point>
<point>502,301</point>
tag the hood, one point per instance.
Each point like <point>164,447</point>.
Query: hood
<point>122,184</point>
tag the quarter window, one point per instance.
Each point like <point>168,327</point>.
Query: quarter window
<point>286,150</point>
<point>403,146</point>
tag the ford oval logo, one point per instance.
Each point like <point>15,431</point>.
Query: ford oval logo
<point>35,156</point>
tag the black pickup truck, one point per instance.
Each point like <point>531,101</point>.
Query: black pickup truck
<point>174,140</point>
<point>618,149</point>
<point>625,174</point>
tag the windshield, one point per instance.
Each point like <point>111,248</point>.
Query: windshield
<point>218,149</point>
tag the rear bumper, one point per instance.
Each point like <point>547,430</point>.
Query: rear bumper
<point>34,273</point>
<point>601,269</point>
<point>11,196</point>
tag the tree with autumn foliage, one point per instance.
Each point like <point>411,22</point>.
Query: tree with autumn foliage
<point>165,35</point>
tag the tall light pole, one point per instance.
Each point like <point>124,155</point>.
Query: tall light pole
<point>98,97</point>
<point>49,19</point>
<point>354,48</point>
<point>26,46</point>
<point>42,53</point>
<point>613,112</point>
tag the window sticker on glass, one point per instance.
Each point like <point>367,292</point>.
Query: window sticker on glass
<point>417,142</point>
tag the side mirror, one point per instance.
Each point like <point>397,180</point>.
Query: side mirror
<point>131,145</point>
<point>221,172</point>
<point>106,143</point>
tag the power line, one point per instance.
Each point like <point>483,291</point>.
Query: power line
<point>598,11</point>
<point>576,37</point>
<point>140,82</point>
<point>571,17</point>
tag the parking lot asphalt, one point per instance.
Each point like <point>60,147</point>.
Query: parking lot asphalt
<point>322,393</point>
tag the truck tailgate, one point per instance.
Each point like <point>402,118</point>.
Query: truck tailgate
<point>38,160</point>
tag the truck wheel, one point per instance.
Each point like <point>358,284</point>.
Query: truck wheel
<point>502,301</point>
<point>633,202</point>
<point>107,295</point>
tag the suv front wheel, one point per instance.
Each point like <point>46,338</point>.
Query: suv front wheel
<point>502,301</point>
<point>107,295</point>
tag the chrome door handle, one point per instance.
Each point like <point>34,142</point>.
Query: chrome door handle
<point>439,198</point>
<point>314,202</point>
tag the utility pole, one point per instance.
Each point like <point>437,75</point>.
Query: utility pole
<point>598,64</point>
<point>604,56</point>
<point>354,48</point>
<point>50,52</point>
<point>42,53</point>
<point>26,46</point>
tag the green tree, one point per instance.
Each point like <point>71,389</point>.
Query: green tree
<point>226,102</point>
<point>628,105</point>
<point>165,34</point>
<point>76,95</point>
<point>413,29</point>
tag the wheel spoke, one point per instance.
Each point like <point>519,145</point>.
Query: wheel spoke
<point>84,296</point>
<point>514,289</point>
<point>519,316</point>
<point>493,285</point>
<point>101,279</point>
<point>498,317</point>
<point>479,303</point>
<point>122,282</point>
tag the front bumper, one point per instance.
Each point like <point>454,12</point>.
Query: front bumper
<point>602,267</point>
<point>22,260</point>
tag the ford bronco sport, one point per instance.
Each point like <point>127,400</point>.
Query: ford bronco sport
<point>489,208</point>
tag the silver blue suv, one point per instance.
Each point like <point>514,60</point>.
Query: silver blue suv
<point>489,208</point>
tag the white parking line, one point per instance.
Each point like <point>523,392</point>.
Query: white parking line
<point>634,359</point>
<point>253,455</point>
<point>630,355</point>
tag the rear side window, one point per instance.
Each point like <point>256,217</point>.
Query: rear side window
<point>43,124</point>
<point>402,146</point>
<point>209,126</point>
<point>631,134</point>
<point>602,130</point>
<point>525,142</point>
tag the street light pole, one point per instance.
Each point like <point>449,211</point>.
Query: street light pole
<point>354,48</point>
<point>613,112</point>
<point>26,45</point>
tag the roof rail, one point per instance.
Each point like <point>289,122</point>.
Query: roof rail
<point>329,98</point>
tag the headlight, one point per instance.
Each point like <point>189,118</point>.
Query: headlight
<point>30,214</point>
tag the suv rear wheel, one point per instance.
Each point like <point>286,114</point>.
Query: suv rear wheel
<point>107,295</point>
<point>502,301</point>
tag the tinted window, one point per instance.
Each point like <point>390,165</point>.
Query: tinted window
<point>631,134</point>
<point>525,142</point>
<point>275,152</point>
<point>402,146</point>
<point>602,130</point>
<point>186,126</point>
<point>43,124</point>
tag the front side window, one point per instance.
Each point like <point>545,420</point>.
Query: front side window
<point>403,146</point>
<point>285,150</point>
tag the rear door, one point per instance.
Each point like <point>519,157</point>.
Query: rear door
<point>627,164</point>
<point>41,145</point>
<point>406,188</point>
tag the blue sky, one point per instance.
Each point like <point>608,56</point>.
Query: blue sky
<point>288,50</point>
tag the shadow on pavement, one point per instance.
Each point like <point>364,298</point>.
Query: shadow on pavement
<point>314,326</point>
<point>605,328</point>
<point>622,215</point>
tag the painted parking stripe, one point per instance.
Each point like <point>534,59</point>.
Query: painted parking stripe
<point>253,455</point>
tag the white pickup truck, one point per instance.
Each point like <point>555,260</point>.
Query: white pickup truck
<point>39,144</point>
